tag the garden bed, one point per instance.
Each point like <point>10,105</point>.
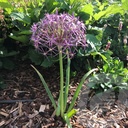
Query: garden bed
<point>28,106</point>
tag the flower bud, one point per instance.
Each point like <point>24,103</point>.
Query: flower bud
<point>105,25</point>
<point>120,26</point>
<point>108,45</point>
<point>125,41</point>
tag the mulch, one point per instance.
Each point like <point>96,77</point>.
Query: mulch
<point>24,103</point>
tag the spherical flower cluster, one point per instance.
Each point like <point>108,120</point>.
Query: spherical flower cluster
<point>58,31</point>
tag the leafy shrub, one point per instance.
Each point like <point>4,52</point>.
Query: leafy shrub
<point>113,76</point>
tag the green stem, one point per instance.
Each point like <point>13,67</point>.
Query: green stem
<point>61,82</point>
<point>67,81</point>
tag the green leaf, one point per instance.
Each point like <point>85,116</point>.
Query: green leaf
<point>47,62</point>
<point>93,41</point>
<point>105,68</point>
<point>1,40</point>
<point>88,8</point>
<point>113,9</point>
<point>35,57</point>
<point>71,113</point>
<point>8,64</point>
<point>12,53</point>
<point>125,4</point>
<point>91,84</point>
<point>58,108</point>
<point>46,87</point>
<point>1,64</point>
<point>20,17</point>
<point>5,53</point>
<point>2,84</point>
<point>37,12</point>
<point>75,96</point>
<point>67,84</point>
<point>67,120</point>
<point>22,38</point>
<point>101,55</point>
<point>5,5</point>
<point>24,32</point>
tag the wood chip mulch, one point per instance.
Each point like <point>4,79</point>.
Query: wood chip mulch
<point>25,104</point>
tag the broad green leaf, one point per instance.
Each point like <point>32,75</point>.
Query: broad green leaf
<point>8,64</point>
<point>101,55</point>
<point>71,2</point>
<point>21,17</point>
<point>35,57</point>
<point>88,8</point>
<point>12,53</point>
<point>37,12</point>
<point>125,4</point>
<point>24,32</point>
<point>22,38</point>
<point>5,5</point>
<point>91,84</point>
<point>93,41</point>
<point>47,63</point>
<point>113,9</point>
<point>71,113</point>
<point>5,53</point>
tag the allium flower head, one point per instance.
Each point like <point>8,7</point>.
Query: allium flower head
<point>58,31</point>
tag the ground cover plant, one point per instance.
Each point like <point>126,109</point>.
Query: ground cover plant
<point>102,43</point>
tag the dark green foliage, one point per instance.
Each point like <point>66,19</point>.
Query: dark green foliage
<point>102,19</point>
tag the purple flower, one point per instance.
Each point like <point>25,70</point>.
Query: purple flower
<point>58,31</point>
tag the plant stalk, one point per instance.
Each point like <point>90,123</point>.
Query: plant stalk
<point>67,81</point>
<point>61,82</point>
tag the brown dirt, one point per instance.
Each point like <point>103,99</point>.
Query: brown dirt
<point>24,96</point>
